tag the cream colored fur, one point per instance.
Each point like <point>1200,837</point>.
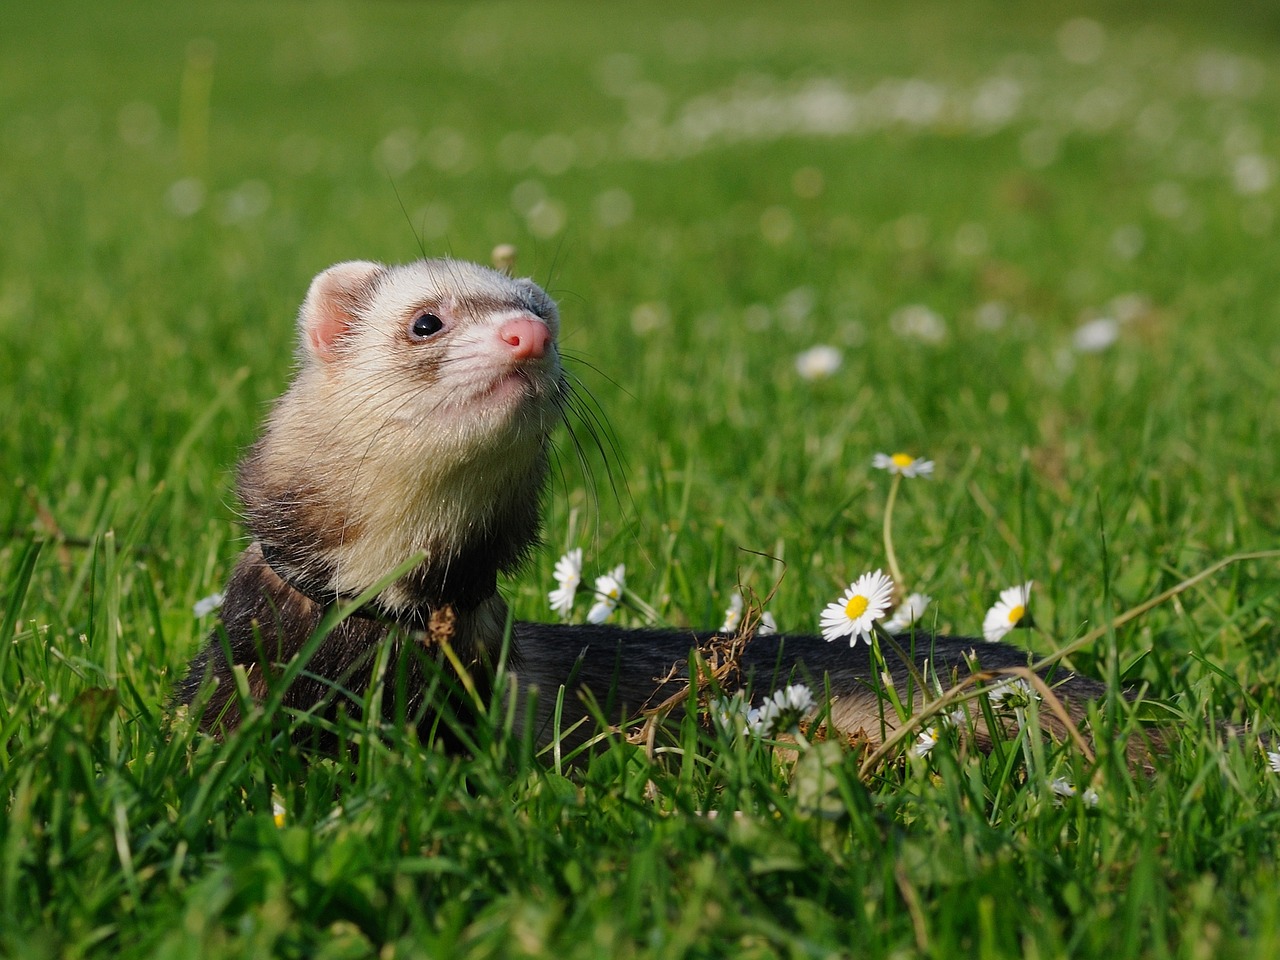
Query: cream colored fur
<point>443,430</point>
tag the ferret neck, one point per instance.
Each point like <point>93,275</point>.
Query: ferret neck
<point>415,615</point>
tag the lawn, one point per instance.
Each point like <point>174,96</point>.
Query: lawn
<point>1039,245</point>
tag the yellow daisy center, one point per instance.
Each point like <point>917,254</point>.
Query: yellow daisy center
<point>902,459</point>
<point>1017,613</point>
<point>856,607</point>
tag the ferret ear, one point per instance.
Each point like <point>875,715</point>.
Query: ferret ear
<point>330,308</point>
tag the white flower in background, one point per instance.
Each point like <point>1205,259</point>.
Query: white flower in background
<point>1251,173</point>
<point>908,612</point>
<point>918,322</point>
<point>1016,693</point>
<point>732,616</point>
<point>818,363</point>
<point>1007,612</point>
<point>207,605</point>
<point>855,613</point>
<point>608,592</point>
<point>1095,335</point>
<point>729,714</point>
<point>1062,787</point>
<point>927,740</point>
<point>1273,759</point>
<point>781,712</point>
<point>568,574</point>
<point>904,464</point>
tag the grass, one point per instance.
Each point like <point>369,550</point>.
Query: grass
<point>174,177</point>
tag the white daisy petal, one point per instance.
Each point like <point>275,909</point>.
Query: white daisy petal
<point>1015,693</point>
<point>1062,788</point>
<point>855,613</point>
<point>207,605</point>
<point>908,612</point>
<point>1007,612</point>
<point>732,616</point>
<point>561,600</point>
<point>781,712</point>
<point>568,574</point>
<point>818,363</point>
<point>609,590</point>
<point>903,463</point>
<point>927,740</point>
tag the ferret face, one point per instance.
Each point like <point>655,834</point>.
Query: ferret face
<point>440,350</point>
<point>419,421</point>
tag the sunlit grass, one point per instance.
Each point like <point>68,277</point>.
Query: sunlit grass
<point>1042,248</point>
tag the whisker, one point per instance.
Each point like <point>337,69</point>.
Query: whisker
<point>409,220</point>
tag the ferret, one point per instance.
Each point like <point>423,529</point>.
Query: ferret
<point>419,424</point>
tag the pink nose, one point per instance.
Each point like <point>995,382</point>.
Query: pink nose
<point>526,337</point>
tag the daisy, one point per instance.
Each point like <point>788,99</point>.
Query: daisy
<point>1062,787</point>
<point>568,574</point>
<point>1007,612</point>
<point>1015,693</point>
<point>908,612</point>
<point>854,614</point>
<point>927,740</point>
<point>608,592</point>
<point>903,463</point>
<point>767,626</point>
<point>1095,335</point>
<point>732,616</point>
<point>781,712</point>
<point>818,363</point>
<point>1273,760</point>
<point>918,322</point>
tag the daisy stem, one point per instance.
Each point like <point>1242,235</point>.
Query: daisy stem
<point>890,556</point>
<point>886,679</point>
<point>1033,770</point>
<point>649,613</point>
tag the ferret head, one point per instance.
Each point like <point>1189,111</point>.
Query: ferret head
<point>419,420</point>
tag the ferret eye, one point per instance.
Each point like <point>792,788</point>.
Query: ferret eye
<point>425,324</point>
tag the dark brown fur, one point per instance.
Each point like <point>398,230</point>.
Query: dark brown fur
<point>265,624</point>
<point>623,671</point>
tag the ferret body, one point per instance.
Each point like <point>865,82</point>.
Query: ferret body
<point>419,424</point>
